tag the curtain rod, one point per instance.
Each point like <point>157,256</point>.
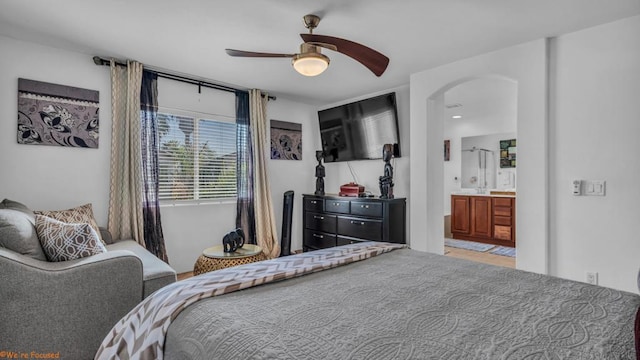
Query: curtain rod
<point>172,76</point>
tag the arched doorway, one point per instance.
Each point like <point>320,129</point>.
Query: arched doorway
<point>525,64</point>
<point>480,115</point>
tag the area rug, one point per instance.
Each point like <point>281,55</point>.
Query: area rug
<point>504,251</point>
<point>468,245</point>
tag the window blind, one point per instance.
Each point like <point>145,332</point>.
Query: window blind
<point>196,158</point>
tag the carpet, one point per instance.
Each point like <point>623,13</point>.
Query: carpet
<point>468,245</point>
<point>504,251</point>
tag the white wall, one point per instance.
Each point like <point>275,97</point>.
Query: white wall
<point>527,65</point>
<point>595,125</point>
<point>52,177</point>
<point>296,175</point>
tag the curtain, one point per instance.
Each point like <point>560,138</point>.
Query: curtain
<point>125,185</point>
<point>245,218</point>
<point>266,233</point>
<point>153,237</point>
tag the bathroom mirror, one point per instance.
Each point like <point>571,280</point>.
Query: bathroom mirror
<point>480,163</point>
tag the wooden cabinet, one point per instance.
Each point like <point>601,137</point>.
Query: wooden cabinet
<point>481,216</point>
<point>332,220</point>
<point>486,219</point>
<point>460,215</point>
<point>504,219</point>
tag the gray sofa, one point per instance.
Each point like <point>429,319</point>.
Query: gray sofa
<point>68,307</point>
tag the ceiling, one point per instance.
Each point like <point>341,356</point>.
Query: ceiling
<point>482,99</point>
<point>190,36</point>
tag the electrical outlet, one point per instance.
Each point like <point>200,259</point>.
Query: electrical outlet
<point>592,278</point>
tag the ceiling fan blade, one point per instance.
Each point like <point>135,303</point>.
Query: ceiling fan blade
<point>324,45</point>
<point>242,53</point>
<point>373,60</point>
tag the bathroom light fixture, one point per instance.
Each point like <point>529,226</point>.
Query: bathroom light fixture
<point>310,63</point>
<point>456,117</point>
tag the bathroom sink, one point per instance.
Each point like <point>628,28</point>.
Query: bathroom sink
<point>465,192</point>
<point>487,192</point>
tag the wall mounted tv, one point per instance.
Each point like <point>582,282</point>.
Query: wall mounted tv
<point>358,130</point>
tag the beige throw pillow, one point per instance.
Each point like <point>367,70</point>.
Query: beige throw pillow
<point>62,242</point>
<point>79,215</point>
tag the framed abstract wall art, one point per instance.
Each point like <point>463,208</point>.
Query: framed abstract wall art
<point>57,115</point>
<point>286,140</point>
<point>508,152</point>
<point>447,150</point>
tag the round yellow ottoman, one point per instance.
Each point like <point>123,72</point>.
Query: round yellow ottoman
<point>214,258</point>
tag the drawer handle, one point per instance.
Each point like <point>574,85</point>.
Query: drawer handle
<point>336,204</point>
<point>318,217</point>
<point>357,222</point>
<point>364,206</point>
<point>318,236</point>
<point>314,202</point>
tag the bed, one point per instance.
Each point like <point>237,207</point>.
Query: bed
<point>377,301</point>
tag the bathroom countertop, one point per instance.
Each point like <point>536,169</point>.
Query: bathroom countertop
<point>498,193</point>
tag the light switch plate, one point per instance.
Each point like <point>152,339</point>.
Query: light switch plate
<point>594,187</point>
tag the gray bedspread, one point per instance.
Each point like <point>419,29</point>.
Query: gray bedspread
<point>410,305</point>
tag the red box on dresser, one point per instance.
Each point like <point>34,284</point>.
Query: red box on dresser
<point>351,189</point>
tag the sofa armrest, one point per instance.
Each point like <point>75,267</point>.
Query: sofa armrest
<point>106,235</point>
<point>61,266</point>
<point>47,306</point>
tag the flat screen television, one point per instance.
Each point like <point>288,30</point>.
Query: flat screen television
<point>359,130</point>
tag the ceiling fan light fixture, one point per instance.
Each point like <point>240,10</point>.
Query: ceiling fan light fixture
<point>310,64</point>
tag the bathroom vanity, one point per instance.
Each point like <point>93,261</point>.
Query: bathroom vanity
<point>484,218</point>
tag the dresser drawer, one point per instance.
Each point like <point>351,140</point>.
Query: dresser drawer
<point>360,228</point>
<point>313,204</point>
<point>502,232</point>
<point>502,220</point>
<point>321,222</point>
<point>342,240</point>
<point>501,211</point>
<point>366,208</point>
<point>500,201</point>
<point>318,240</point>
<point>336,206</point>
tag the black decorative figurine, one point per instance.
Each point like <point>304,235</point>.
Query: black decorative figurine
<point>319,174</point>
<point>233,241</point>
<point>386,181</point>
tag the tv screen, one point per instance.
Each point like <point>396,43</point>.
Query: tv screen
<point>359,130</point>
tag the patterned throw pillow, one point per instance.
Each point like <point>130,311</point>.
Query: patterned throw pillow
<point>62,242</point>
<point>79,215</point>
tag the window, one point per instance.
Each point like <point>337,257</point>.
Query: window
<point>196,157</point>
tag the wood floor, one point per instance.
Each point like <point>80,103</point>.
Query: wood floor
<point>185,275</point>
<point>482,257</point>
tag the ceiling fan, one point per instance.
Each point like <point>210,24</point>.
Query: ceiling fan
<point>311,62</point>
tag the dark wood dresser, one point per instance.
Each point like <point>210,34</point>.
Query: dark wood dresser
<point>333,220</point>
